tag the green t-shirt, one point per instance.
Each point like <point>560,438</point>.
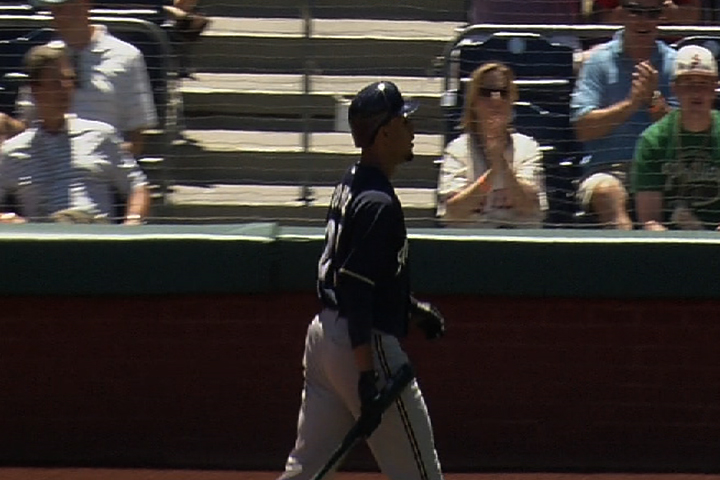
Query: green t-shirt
<point>683,166</point>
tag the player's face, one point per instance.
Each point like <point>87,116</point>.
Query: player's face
<point>695,93</point>
<point>401,134</point>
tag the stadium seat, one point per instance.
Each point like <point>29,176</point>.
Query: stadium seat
<point>531,57</point>
<point>550,130</point>
<point>543,70</point>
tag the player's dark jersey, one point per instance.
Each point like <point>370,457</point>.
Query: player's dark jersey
<point>366,239</point>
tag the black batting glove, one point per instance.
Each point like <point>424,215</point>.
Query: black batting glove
<point>370,414</point>
<point>427,318</point>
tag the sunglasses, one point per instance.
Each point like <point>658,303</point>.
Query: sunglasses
<point>488,92</point>
<point>652,13</point>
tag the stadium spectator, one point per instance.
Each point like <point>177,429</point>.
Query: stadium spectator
<point>676,174</point>
<point>491,176</point>
<point>112,78</point>
<point>674,12</point>
<point>622,88</point>
<point>64,168</point>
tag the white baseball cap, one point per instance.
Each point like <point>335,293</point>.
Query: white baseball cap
<point>695,60</point>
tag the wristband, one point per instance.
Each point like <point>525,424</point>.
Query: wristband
<point>657,103</point>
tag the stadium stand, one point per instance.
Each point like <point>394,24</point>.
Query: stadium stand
<point>257,129</point>
<point>263,136</point>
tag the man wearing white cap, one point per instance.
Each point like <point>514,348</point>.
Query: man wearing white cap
<point>676,168</point>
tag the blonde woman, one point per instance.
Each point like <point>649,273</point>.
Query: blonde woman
<point>491,176</point>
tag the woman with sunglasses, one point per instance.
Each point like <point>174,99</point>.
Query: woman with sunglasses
<point>491,176</point>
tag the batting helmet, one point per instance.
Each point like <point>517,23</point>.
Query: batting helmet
<point>373,107</point>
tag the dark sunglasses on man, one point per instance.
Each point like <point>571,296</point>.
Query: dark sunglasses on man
<point>637,10</point>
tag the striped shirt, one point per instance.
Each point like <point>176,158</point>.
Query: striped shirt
<point>79,169</point>
<point>113,85</point>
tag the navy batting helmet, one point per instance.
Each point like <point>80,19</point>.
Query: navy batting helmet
<point>373,107</point>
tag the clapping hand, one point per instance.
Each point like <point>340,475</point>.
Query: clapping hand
<point>644,83</point>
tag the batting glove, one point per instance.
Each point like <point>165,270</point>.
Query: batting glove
<point>427,318</point>
<point>370,415</point>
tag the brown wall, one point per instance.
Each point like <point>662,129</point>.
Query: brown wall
<point>214,381</point>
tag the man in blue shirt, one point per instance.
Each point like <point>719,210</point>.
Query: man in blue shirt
<point>622,88</point>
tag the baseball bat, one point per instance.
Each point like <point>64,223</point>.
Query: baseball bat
<point>390,392</point>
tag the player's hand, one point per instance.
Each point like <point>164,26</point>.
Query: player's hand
<point>370,415</point>
<point>427,318</point>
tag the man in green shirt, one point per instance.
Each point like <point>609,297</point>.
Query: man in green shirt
<point>676,168</point>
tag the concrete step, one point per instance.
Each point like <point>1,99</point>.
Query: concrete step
<point>279,158</point>
<point>335,47</point>
<point>446,10</point>
<point>281,97</point>
<point>220,203</point>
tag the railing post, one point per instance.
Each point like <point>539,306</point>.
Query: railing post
<point>306,191</point>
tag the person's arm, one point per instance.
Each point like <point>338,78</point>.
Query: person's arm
<point>461,205</point>
<point>648,206</point>
<point>600,123</point>
<point>459,196</point>
<point>590,118</point>
<point>138,112</point>
<point>593,122</point>
<point>138,205</point>
<point>371,259</point>
<point>522,188</point>
<point>127,178</point>
<point>646,180</point>
<point>6,185</point>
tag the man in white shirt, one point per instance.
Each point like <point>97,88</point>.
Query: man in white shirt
<point>112,83</point>
<point>64,168</point>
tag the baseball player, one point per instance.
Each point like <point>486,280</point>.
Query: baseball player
<point>353,345</point>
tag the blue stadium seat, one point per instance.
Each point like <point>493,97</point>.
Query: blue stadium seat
<point>550,130</point>
<point>543,70</point>
<point>531,57</point>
